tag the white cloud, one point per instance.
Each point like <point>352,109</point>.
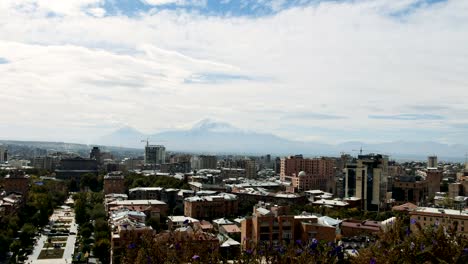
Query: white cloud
<point>176,2</point>
<point>161,2</point>
<point>350,59</point>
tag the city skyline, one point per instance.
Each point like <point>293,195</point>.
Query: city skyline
<point>325,71</point>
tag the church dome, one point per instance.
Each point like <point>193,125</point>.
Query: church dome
<point>302,174</point>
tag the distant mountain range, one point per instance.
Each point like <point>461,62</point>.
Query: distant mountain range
<point>218,137</point>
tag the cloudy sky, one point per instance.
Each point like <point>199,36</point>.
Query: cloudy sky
<point>330,71</point>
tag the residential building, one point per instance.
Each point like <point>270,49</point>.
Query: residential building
<point>273,224</point>
<point>126,226</point>
<point>114,183</point>
<point>308,174</point>
<point>133,163</point>
<point>250,169</point>
<point>178,221</point>
<point>44,163</point>
<point>152,208</point>
<point>209,207</point>
<point>203,162</point>
<point>142,193</point>
<point>250,195</point>
<point>351,228</point>
<point>457,220</point>
<point>16,182</point>
<point>432,162</point>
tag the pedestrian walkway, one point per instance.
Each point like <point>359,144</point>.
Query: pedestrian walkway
<point>62,215</point>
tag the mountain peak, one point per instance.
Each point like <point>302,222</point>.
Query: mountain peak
<point>127,130</point>
<point>208,124</point>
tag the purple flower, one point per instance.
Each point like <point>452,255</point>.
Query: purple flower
<point>148,260</point>
<point>354,251</point>
<point>299,251</point>
<point>465,251</point>
<point>132,246</point>
<point>299,242</point>
<point>408,231</point>
<point>249,252</point>
<point>434,242</point>
<point>196,257</point>
<point>261,252</point>
<point>422,247</point>
<point>177,246</point>
<point>413,221</point>
<point>373,261</point>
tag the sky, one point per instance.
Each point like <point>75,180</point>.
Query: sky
<point>315,70</point>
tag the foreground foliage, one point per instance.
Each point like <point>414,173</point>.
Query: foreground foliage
<point>434,244</point>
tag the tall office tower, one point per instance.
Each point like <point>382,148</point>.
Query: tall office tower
<point>155,154</point>
<point>432,162</point>
<point>367,179</point>
<point>3,154</point>
<point>95,154</point>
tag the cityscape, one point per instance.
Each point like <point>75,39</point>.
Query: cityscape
<point>112,207</point>
<point>233,131</point>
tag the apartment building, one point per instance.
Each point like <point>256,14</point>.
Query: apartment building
<point>273,224</point>
<point>428,216</point>
<point>209,207</point>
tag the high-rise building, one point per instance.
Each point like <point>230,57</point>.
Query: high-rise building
<point>308,174</point>
<point>250,169</point>
<point>155,154</point>
<point>367,179</point>
<point>45,163</point>
<point>3,154</point>
<point>204,162</point>
<point>432,162</point>
<point>95,154</point>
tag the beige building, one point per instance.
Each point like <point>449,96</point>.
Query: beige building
<point>427,216</point>
<point>274,224</point>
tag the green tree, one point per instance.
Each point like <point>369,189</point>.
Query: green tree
<point>101,250</point>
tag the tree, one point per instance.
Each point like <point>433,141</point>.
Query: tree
<point>101,250</point>
<point>81,215</point>
<point>27,233</point>
<point>89,180</point>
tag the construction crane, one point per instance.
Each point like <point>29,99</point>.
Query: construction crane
<point>147,141</point>
<point>360,150</point>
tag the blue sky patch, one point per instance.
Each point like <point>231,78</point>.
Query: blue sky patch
<point>3,61</point>
<point>216,78</point>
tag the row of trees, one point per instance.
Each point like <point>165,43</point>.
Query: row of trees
<point>133,180</point>
<point>20,227</point>
<point>94,232</point>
